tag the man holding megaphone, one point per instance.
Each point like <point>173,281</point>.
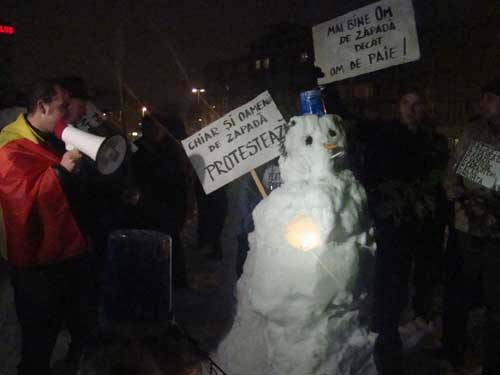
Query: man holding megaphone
<point>42,239</point>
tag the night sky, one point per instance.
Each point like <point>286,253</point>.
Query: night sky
<point>66,37</point>
<point>62,37</point>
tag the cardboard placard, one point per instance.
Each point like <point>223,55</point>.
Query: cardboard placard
<point>238,142</point>
<point>371,38</point>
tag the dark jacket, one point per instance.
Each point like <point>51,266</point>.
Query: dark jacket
<point>403,171</point>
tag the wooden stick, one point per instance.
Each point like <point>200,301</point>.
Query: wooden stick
<point>258,183</point>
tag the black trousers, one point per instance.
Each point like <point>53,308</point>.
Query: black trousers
<point>472,279</point>
<point>392,272</point>
<point>398,248</point>
<point>46,298</point>
<point>212,211</point>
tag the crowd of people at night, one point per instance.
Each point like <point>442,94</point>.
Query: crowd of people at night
<point>435,230</point>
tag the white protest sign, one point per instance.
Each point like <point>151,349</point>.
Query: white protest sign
<point>371,38</point>
<point>481,164</point>
<point>238,142</point>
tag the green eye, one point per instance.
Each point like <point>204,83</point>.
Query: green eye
<point>332,133</point>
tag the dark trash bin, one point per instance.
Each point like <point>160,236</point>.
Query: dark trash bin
<point>137,290</point>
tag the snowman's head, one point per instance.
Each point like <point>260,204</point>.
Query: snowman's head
<point>309,146</point>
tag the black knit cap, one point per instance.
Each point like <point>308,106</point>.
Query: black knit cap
<point>76,87</point>
<point>493,86</point>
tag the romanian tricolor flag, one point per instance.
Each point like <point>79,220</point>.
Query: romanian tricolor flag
<point>37,226</point>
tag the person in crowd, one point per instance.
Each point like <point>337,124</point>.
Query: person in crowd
<point>211,209</point>
<point>474,241</point>
<point>160,176</point>
<point>248,198</point>
<point>107,195</point>
<point>45,245</point>
<point>78,98</point>
<point>10,114</point>
<point>404,164</point>
<point>335,105</point>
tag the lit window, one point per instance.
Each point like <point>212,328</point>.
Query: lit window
<point>258,64</point>
<point>266,63</point>
<point>304,56</point>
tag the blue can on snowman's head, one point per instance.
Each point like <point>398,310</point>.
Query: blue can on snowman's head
<point>311,103</point>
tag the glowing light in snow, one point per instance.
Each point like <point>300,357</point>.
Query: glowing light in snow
<point>302,233</point>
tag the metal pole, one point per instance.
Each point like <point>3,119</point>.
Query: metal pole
<point>119,55</point>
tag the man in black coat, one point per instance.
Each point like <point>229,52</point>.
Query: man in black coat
<point>404,162</point>
<point>160,175</point>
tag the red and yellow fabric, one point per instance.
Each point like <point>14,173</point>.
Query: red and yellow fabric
<point>37,223</point>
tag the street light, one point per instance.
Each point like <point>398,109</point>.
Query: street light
<point>143,110</point>
<point>197,91</point>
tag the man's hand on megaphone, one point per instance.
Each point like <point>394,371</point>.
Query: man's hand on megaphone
<point>70,159</point>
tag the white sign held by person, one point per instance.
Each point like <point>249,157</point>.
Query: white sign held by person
<point>481,164</point>
<point>238,142</point>
<point>371,38</point>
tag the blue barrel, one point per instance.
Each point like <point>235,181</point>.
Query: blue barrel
<point>311,103</point>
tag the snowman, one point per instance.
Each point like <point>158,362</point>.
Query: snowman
<point>297,305</point>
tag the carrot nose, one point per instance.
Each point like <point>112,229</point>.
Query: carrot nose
<point>329,146</point>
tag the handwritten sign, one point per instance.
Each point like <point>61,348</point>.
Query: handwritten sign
<point>371,38</point>
<point>236,143</point>
<point>481,164</point>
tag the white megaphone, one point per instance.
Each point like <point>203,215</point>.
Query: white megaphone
<point>108,153</point>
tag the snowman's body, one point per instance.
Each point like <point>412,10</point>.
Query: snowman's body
<point>295,312</point>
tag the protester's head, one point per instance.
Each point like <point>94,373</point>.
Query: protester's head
<point>334,103</point>
<point>411,107</point>
<point>173,124</point>
<point>47,104</point>
<point>152,130</point>
<point>78,97</point>
<point>490,101</point>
